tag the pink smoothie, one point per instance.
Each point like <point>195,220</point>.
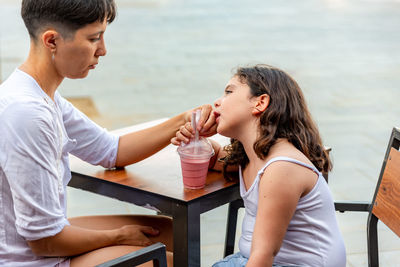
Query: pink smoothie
<point>194,172</point>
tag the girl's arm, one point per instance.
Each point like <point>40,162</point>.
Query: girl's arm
<point>215,164</point>
<point>280,189</point>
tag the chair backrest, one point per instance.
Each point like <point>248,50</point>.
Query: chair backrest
<point>386,206</point>
<point>386,202</point>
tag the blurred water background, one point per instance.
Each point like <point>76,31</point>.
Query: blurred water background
<point>166,56</point>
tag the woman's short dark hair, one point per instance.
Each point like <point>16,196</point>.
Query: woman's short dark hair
<point>287,116</point>
<point>66,16</point>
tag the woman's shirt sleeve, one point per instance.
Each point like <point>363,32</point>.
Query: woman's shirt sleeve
<point>30,142</point>
<point>93,143</point>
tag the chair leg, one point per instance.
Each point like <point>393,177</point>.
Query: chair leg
<point>231,226</point>
<point>372,235</point>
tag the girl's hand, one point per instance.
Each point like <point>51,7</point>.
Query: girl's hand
<point>185,133</point>
<point>136,235</point>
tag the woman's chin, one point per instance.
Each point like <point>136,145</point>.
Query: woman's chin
<point>78,76</point>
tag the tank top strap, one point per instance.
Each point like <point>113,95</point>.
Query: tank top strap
<point>311,167</point>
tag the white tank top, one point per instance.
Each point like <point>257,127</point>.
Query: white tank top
<point>312,238</point>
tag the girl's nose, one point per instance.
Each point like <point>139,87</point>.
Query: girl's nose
<point>217,102</point>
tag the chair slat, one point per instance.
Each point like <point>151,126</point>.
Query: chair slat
<point>387,203</point>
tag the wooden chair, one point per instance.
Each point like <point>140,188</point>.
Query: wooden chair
<point>385,205</point>
<point>155,253</point>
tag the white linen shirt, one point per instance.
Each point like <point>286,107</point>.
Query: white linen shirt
<point>36,136</point>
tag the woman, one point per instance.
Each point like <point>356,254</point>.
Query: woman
<point>39,128</point>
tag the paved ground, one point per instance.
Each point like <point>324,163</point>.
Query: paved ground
<point>165,56</point>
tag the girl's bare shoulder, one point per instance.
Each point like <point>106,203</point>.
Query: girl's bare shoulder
<point>286,173</point>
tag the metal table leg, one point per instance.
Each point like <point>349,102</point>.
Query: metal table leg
<point>186,227</point>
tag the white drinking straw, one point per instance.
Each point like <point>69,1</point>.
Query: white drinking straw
<point>195,121</point>
<point>197,118</point>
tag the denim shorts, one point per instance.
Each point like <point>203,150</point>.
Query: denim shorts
<point>238,260</point>
<point>64,263</point>
<point>234,260</point>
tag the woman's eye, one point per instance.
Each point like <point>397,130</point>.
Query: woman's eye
<point>95,39</point>
<point>228,92</point>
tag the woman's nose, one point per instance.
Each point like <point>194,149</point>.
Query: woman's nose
<point>101,50</point>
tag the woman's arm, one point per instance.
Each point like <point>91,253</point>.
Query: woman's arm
<point>280,189</point>
<point>73,240</point>
<point>136,146</point>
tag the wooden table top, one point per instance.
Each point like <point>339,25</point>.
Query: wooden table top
<point>160,173</point>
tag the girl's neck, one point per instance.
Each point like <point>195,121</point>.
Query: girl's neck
<point>248,138</point>
<point>254,159</point>
<point>40,66</point>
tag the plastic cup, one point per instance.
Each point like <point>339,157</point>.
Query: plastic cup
<point>195,158</point>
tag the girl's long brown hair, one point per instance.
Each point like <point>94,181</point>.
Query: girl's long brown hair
<point>287,116</point>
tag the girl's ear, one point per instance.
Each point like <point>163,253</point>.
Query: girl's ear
<point>261,104</point>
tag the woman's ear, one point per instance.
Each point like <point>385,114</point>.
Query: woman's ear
<point>261,104</point>
<point>49,40</point>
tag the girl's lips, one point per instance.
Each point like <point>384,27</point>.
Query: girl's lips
<point>216,114</point>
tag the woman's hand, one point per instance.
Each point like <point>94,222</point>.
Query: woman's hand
<point>136,235</point>
<point>206,125</point>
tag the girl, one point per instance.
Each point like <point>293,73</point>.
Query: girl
<point>289,213</point>
<point>39,128</point>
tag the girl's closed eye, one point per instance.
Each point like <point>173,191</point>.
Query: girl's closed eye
<point>227,91</point>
